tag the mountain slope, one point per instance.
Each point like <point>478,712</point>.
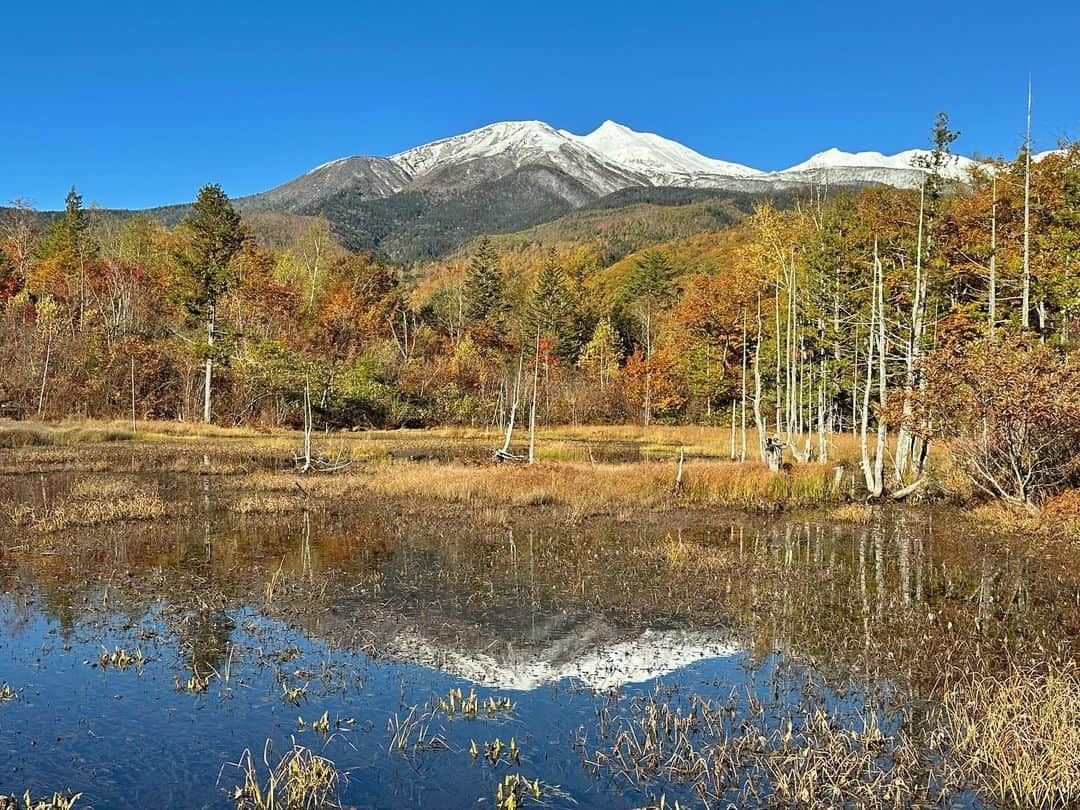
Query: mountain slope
<point>371,177</point>
<point>427,223</point>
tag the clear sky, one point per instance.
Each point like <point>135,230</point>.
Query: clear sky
<point>139,104</point>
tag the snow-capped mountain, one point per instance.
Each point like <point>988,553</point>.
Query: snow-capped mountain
<point>664,162</point>
<point>843,168</point>
<point>509,146</point>
<point>426,201</point>
<point>606,664</point>
<point>610,158</point>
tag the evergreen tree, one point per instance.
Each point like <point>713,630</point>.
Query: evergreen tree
<point>484,288</point>
<point>939,158</point>
<point>552,310</point>
<point>73,228</point>
<point>651,280</point>
<point>215,237</point>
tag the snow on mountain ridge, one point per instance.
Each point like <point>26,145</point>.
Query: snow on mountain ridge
<point>834,158</point>
<point>487,141</point>
<point>609,158</point>
<point>653,154</point>
<point>520,143</point>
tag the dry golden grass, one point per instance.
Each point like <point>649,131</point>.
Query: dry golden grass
<point>1019,737</point>
<point>140,506</point>
<point>100,488</point>
<point>852,513</point>
<point>58,801</point>
<point>301,780</point>
<point>14,435</point>
<point>1061,515</point>
<point>269,505</point>
<point>97,502</point>
<point>607,486</point>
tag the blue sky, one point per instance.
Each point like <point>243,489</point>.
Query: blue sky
<point>139,104</point>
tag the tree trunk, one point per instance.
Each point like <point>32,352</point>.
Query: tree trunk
<point>864,446</point>
<point>44,375</point>
<point>513,409</point>
<point>209,363</point>
<point>992,308</point>
<point>879,463</point>
<point>133,394</point>
<point>1025,304</point>
<point>904,441</point>
<point>759,421</point>
<point>742,452</point>
<point>532,408</point>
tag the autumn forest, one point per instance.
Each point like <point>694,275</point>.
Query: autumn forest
<point>948,311</point>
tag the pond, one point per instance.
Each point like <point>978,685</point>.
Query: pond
<point>451,664</point>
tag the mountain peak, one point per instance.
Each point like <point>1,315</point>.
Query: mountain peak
<point>664,161</point>
<point>613,126</point>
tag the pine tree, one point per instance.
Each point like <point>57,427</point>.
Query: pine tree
<point>552,310</point>
<point>484,288</point>
<point>74,227</point>
<point>215,237</point>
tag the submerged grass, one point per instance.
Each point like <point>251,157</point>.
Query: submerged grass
<point>807,759</point>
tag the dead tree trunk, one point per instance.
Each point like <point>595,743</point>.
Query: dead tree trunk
<point>759,421</point>
<point>209,372</point>
<point>532,407</point>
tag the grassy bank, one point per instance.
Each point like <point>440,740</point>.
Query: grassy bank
<point>581,471</point>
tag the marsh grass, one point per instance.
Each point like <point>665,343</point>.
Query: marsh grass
<point>97,502</point>
<point>859,513</point>
<point>578,489</point>
<point>58,801</point>
<point>269,505</point>
<point>15,435</point>
<point>301,780</point>
<point>607,486</point>
<point>412,735</point>
<point>807,759</point>
<point>1018,736</point>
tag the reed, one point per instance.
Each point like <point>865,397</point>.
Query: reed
<point>58,801</point>
<point>1018,736</point>
<point>127,503</point>
<point>301,780</point>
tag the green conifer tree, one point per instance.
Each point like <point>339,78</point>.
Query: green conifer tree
<point>484,288</point>
<point>215,237</point>
<point>552,310</point>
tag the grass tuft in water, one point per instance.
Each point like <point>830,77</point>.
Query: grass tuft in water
<point>1018,737</point>
<point>58,801</point>
<point>301,780</point>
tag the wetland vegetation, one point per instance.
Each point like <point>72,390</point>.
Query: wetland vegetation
<point>425,628</point>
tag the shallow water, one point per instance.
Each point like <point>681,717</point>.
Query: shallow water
<point>378,612</point>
